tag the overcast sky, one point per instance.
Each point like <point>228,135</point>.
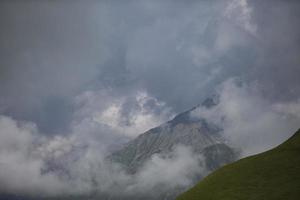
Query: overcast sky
<point>57,57</point>
<point>77,78</point>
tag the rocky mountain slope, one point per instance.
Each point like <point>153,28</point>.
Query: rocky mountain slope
<point>183,129</point>
<point>204,139</point>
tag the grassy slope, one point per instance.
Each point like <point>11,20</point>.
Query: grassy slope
<point>271,175</point>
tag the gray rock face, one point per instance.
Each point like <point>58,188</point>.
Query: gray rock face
<point>201,137</point>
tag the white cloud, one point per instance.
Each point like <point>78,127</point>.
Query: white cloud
<point>176,169</point>
<point>289,110</point>
<point>240,13</point>
<point>76,163</point>
<point>20,168</point>
<point>250,122</point>
<point>126,115</point>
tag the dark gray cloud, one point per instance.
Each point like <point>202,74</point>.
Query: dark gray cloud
<point>48,53</point>
<point>52,51</point>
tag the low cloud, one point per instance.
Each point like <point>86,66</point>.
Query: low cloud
<point>127,115</point>
<point>20,165</point>
<point>249,121</point>
<point>76,163</point>
<point>169,171</point>
<point>95,77</point>
<point>241,13</point>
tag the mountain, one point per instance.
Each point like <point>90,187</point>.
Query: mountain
<point>203,138</point>
<point>271,175</point>
<point>183,129</point>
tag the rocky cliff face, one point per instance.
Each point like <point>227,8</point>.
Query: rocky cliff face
<point>202,138</point>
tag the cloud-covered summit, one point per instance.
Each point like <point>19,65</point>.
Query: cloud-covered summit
<point>102,72</point>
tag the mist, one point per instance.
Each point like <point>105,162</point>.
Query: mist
<point>41,167</point>
<point>248,120</point>
<point>80,79</point>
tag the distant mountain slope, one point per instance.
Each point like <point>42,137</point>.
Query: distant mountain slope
<point>204,139</point>
<point>201,137</point>
<point>272,175</point>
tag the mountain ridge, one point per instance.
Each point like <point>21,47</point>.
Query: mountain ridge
<point>204,139</point>
<point>181,130</point>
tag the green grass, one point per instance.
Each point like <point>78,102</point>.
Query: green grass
<point>271,175</point>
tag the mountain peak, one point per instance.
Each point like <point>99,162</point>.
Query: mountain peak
<point>210,102</point>
<point>184,130</point>
<point>185,117</point>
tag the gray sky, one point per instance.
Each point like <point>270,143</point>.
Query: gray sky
<point>177,52</point>
<point>77,78</point>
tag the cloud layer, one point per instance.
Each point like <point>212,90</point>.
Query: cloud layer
<point>177,52</point>
<point>77,164</point>
<point>248,121</point>
<point>80,78</point>
<point>34,164</point>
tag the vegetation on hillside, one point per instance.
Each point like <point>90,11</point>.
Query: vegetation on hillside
<point>272,175</point>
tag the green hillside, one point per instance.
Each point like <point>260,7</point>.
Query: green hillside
<point>271,175</point>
